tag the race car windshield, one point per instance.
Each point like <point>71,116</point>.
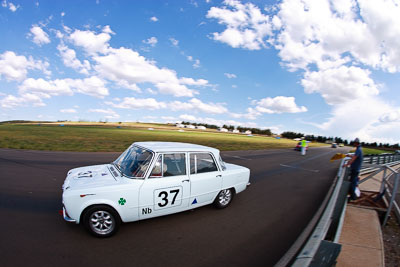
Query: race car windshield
<point>134,161</point>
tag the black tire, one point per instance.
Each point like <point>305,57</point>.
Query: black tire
<point>224,198</point>
<point>101,221</point>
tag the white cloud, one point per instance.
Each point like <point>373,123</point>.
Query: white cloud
<point>174,42</point>
<point>154,19</point>
<point>125,84</point>
<point>127,65</point>
<point>393,116</point>
<point>10,5</point>
<point>230,75</point>
<point>337,85</point>
<point>68,110</point>
<point>195,104</point>
<point>330,33</point>
<point>92,86</point>
<point>324,34</point>
<point>11,101</point>
<point>151,91</point>
<point>15,68</point>
<point>251,114</point>
<point>45,89</point>
<point>279,104</point>
<point>188,117</point>
<point>196,63</point>
<point>152,41</point>
<point>124,66</point>
<point>383,23</point>
<point>336,45</point>
<point>110,114</point>
<point>92,42</point>
<point>39,36</point>
<point>191,81</point>
<point>59,34</point>
<point>138,103</point>
<point>344,41</point>
<point>246,26</point>
<point>69,58</point>
<point>364,118</point>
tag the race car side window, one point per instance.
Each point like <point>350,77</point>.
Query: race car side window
<point>169,165</point>
<point>175,163</point>
<point>201,163</point>
<point>158,168</point>
<point>222,164</point>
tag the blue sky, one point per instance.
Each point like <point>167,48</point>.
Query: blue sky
<point>319,67</point>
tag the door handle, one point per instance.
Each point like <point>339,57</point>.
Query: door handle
<point>187,180</point>
<point>219,175</point>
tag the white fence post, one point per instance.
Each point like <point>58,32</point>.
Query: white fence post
<point>392,199</point>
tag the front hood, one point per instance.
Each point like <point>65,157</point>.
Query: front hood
<point>90,176</point>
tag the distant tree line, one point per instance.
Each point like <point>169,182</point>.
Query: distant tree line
<point>323,139</point>
<point>320,139</point>
<point>255,130</point>
<point>209,126</point>
<point>18,121</point>
<point>231,127</point>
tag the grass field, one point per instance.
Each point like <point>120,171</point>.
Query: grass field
<point>116,137</point>
<point>372,151</point>
<point>110,138</point>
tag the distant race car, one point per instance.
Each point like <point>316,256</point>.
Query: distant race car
<point>298,146</point>
<point>334,145</point>
<point>149,179</point>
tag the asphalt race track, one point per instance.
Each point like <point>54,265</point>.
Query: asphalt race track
<point>255,230</point>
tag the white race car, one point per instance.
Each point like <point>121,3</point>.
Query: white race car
<point>149,179</point>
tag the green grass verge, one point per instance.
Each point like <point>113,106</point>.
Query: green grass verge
<point>106,138</point>
<point>371,151</point>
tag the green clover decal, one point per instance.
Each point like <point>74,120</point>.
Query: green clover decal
<point>122,201</point>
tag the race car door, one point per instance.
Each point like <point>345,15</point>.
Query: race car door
<point>205,178</point>
<point>167,190</point>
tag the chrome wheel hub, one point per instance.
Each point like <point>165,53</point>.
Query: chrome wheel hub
<point>225,197</point>
<point>101,222</point>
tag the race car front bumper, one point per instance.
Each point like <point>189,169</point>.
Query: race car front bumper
<point>66,217</point>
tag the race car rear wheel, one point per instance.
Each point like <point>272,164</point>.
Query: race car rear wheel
<point>224,198</point>
<point>101,221</point>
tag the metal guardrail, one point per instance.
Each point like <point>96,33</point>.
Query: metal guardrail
<point>373,163</point>
<point>381,158</point>
<point>318,242</point>
<point>389,189</point>
<point>391,196</point>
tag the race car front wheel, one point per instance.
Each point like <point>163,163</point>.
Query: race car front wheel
<point>101,221</point>
<point>224,198</point>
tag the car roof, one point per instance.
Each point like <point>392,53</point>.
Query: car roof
<point>175,147</point>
